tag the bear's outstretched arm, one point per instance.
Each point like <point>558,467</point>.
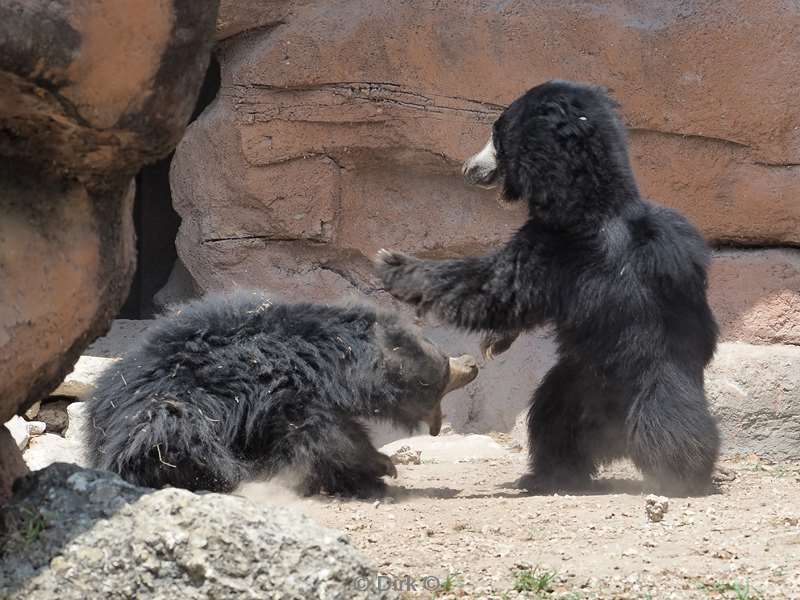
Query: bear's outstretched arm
<point>500,292</point>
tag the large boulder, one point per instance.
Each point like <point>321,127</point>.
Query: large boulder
<point>90,90</point>
<point>73,533</point>
<point>340,128</point>
<point>755,393</point>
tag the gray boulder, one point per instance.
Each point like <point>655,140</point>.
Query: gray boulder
<point>755,393</point>
<point>75,533</point>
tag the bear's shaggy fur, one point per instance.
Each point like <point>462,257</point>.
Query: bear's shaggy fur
<point>622,280</point>
<point>229,388</point>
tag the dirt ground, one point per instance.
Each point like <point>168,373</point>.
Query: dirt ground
<point>459,529</point>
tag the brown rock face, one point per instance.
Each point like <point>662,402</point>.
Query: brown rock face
<point>90,90</point>
<point>112,93</point>
<point>755,295</point>
<point>67,260</point>
<point>341,126</point>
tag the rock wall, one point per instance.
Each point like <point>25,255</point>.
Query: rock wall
<point>340,127</point>
<point>89,92</point>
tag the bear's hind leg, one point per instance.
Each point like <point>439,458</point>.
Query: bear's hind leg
<point>559,456</point>
<point>673,438</point>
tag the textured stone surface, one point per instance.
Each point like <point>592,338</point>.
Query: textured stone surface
<point>90,90</point>
<point>119,338</point>
<point>755,295</point>
<point>83,376</point>
<point>109,539</point>
<point>67,261</point>
<point>19,430</point>
<point>755,394</point>
<point>53,415</point>
<point>238,16</point>
<point>44,450</point>
<point>76,413</point>
<point>369,108</point>
<point>97,87</point>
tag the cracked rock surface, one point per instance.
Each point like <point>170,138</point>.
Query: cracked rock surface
<point>110,539</point>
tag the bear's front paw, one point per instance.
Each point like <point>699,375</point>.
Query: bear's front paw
<point>398,274</point>
<point>386,260</point>
<point>387,465</point>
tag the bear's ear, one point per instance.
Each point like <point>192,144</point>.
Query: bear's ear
<point>553,110</point>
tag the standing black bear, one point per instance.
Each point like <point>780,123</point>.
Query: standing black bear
<point>622,280</point>
<point>231,388</point>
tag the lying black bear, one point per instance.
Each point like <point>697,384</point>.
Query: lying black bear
<point>231,388</point>
<point>622,280</point>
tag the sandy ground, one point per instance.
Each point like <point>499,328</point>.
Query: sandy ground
<point>460,529</point>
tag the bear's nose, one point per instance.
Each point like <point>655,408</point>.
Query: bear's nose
<point>463,369</point>
<point>477,174</point>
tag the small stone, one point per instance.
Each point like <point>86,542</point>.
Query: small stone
<point>655,507</point>
<point>54,414</point>
<point>76,417</point>
<point>31,413</point>
<point>406,456</point>
<point>19,431</point>
<point>36,427</point>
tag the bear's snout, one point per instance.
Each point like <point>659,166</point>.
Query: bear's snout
<point>463,369</point>
<point>481,168</point>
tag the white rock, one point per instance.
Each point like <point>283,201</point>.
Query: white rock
<point>76,417</point>
<point>19,431</point>
<point>80,382</point>
<point>36,428</point>
<point>754,392</point>
<point>655,507</point>
<point>406,456</point>
<point>450,448</point>
<point>44,450</point>
<point>33,410</point>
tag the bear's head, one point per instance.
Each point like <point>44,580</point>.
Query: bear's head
<point>562,148</point>
<point>419,372</point>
